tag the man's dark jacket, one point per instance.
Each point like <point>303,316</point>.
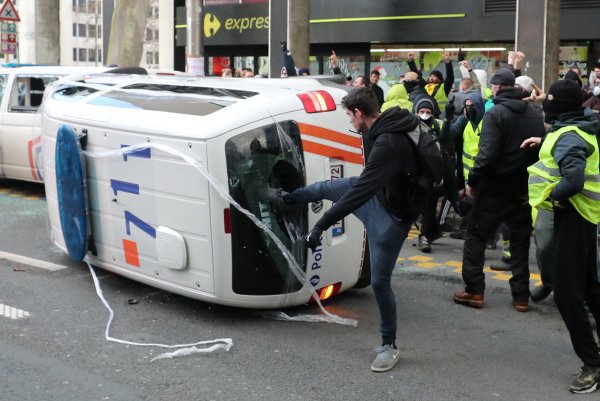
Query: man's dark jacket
<point>391,168</point>
<point>501,165</point>
<point>378,93</point>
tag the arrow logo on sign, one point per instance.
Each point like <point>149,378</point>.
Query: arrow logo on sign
<point>8,12</point>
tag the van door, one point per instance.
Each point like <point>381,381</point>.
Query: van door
<point>20,132</point>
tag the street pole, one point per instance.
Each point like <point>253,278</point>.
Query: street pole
<point>538,36</point>
<point>193,46</point>
<point>299,31</point>
<point>278,10</point>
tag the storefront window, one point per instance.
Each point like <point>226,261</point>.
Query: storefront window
<point>573,55</point>
<point>392,63</point>
<point>351,66</point>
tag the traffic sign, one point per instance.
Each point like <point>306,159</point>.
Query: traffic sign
<point>8,12</point>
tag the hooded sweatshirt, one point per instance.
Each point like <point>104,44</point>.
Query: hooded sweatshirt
<point>397,96</point>
<point>501,165</point>
<point>389,173</point>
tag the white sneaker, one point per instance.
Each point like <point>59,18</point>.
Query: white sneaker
<point>387,357</point>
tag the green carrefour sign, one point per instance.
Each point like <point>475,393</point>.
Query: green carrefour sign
<point>243,24</point>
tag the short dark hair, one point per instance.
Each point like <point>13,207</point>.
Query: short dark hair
<point>365,80</point>
<point>362,99</point>
<point>375,72</point>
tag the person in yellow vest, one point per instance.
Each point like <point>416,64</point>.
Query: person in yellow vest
<point>436,86</point>
<point>498,184</point>
<point>566,181</point>
<point>463,136</point>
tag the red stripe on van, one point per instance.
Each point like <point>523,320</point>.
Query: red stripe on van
<point>335,153</point>
<point>330,135</point>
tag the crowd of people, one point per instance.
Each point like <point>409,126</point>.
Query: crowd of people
<point>524,161</point>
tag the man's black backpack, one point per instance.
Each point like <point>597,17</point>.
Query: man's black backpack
<point>438,169</point>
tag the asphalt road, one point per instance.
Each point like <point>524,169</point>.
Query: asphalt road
<point>57,350</point>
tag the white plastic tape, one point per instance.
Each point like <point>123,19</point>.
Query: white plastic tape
<point>185,349</point>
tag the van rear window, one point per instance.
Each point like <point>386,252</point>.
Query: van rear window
<point>192,100</point>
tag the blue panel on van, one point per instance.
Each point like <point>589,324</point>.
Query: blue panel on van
<point>72,192</point>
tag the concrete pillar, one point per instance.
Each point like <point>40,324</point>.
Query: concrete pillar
<point>298,37</point>
<point>537,35</point>
<point>165,38</point>
<point>278,10</point>
<point>193,47</point>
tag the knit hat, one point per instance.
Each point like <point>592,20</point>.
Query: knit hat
<point>525,82</point>
<point>572,75</point>
<point>411,76</point>
<point>503,76</point>
<point>438,74</point>
<point>423,102</point>
<point>564,96</point>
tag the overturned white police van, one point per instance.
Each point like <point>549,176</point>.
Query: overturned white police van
<point>146,212</point>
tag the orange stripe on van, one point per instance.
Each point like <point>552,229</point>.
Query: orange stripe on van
<point>330,135</point>
<point>131,253</point>
<point>335,153</point>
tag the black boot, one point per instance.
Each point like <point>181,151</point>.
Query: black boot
<point>540,293</point>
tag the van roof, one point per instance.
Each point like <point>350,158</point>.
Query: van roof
<point>221,103</point>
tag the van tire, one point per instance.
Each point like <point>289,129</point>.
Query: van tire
<point>364,279</point>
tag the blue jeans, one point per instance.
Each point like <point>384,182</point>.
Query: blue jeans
<point>386,235</point>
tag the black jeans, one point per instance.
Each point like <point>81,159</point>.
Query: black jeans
<point>488,212</point>
<point>576,280</point>
<point>544,247</point>
<point>430,226</point>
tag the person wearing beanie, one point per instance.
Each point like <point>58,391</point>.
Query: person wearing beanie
<point>498,184</point>
<point>430,230</point>
<point>572,76</point>
<point>436,86</point>
<point>414,88</point>
<point>565,182</point>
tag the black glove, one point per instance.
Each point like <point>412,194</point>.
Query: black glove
<point>450,109</point>
<point>313,240</point>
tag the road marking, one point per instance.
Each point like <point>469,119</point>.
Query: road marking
<point>12,312</point>
<point>24,260</point>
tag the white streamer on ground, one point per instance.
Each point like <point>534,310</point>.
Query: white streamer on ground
<point>292,263</point>
<point>185,349</point>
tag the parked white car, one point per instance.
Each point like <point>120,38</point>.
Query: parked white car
<point>21,92</point>
<point>155,219</point>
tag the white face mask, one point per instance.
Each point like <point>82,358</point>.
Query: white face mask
<point>424,116</point>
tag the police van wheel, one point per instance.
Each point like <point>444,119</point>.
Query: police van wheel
<point>364,279</point>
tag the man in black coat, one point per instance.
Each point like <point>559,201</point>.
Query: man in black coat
<point>498,182</point>
<point>376,88</point>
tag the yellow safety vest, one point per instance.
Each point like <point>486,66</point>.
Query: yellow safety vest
<point>545,175</point>
<point>470,146</point>
<point>439,96</point>
<point>487,92</point>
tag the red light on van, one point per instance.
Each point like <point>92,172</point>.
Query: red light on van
<point>317,102</point>
<point>328,291</point>
<point>227,220</point>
